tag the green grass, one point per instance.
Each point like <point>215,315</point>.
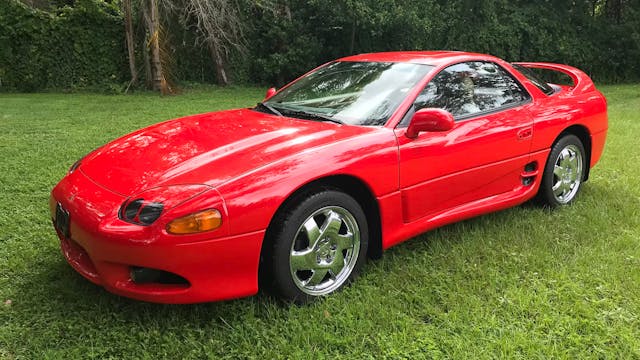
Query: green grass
<point>521,283</point>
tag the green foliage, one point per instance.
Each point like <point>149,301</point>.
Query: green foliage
<point>71,48</point>
<point>564,31</point>
<point>82,45</point>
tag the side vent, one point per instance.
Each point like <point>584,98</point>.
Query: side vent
<point>529,174</point>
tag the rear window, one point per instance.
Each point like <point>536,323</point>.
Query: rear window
<point>543,86</point>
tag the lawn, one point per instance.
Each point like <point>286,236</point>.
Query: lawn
<point>521,283</point>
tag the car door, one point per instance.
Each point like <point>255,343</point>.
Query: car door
<point>483,155</point>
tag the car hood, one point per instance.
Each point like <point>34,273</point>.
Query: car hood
<point>210,149</point>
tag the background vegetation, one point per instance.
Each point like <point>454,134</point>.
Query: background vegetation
<point>521,283</point>
<point>68,44</point>
<point>71,47</point>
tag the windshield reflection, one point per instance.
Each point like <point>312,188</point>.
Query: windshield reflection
<point>357,93</point>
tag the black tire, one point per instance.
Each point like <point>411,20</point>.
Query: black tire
<point>563,173</point>
<point>291,246</point>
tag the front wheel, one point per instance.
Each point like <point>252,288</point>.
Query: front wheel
<point>317,246</point>
<point>563,173</point>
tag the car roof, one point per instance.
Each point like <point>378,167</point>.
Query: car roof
<point>420,57</point>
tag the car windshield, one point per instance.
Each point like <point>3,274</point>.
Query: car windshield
<point>356,93</point>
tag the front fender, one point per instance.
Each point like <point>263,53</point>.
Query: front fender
<point>253,199</point>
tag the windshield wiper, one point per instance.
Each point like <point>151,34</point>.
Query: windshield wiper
<point>270,108</point>
<point>312,116</point>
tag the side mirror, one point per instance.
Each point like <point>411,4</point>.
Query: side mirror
<point>270,92</point>
<point>429,119</point>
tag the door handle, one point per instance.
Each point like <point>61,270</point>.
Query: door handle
<point>525,133</point>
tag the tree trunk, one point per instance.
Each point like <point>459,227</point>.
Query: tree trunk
<point>147,64</point>
<point>353,36</point>
<point>614,10</point>
<point>154,44</point>
<point>218,60</point>
<point>128,27</point>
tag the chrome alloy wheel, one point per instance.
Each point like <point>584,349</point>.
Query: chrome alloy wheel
<point>567,174</point>
<point>325,251</point>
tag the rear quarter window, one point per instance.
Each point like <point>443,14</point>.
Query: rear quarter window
<point>535,80</point>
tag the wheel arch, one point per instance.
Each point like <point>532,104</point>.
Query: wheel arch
<point>582,133</point>
<point>348,184</point>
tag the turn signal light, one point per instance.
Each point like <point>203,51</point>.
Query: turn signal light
<point>202,221</point>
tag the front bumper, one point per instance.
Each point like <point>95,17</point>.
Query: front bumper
<point>105,250</point>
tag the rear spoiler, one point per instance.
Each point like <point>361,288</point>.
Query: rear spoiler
<point>581,82</point>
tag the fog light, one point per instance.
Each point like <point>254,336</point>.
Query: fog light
<point>142,275</point>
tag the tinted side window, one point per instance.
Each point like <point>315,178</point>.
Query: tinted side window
<point>469,88</point>
<point>543,86</point>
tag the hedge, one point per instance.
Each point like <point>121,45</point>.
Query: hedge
<point>83,45</point>
<point>75,47</point>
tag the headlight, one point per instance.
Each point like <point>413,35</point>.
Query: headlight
<point>75,166</point>
<point>140,212</point>
<point>202,221</point>
<point>146,207</point>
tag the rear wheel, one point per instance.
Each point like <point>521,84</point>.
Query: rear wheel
<point>563,173</point>
<point>317,246</point>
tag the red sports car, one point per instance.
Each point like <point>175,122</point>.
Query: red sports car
<point>351,158</point>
